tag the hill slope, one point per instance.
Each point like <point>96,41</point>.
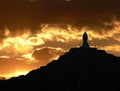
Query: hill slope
<point>80,69</point>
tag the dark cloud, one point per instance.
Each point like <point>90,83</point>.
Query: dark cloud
<point>109,41</point>
<point>42,54</point>
<point>23,13</point>
<point>65,45</point>
<point>100,27</point>
<point>47,54</point>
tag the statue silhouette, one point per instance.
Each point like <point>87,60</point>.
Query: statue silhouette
<point>85,39</point>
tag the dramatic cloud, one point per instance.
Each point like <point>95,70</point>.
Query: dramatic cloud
<point>47,54</point>
<point>29,50</point>
<point>23,13</point>
<point>35,32</point>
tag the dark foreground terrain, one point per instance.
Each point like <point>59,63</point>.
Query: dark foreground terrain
<point>80,69</point>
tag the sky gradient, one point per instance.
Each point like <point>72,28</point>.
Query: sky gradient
<point>35,32</point>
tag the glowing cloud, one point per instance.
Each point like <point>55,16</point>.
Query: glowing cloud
<point>51,41</point>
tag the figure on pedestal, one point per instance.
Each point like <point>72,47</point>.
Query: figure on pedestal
<point>85,39</point>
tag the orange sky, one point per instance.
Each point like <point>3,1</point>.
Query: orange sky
<point>35,32</point>
<point>23,52</point>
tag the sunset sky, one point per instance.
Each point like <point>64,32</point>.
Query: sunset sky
<point>35,32</point>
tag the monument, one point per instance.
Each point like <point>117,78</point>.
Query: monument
<point>85,39</point>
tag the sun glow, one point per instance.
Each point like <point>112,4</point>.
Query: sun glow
<point>14,74</point>
<point>21,44</point>
<point>17,73</point>
<point>28,57</point>
<point>55,40</point>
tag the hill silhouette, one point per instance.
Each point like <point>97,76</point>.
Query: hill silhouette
<point>80,69</point>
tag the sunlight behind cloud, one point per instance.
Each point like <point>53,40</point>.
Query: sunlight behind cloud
<point>51,41</point>
<point>59,34</point>
<point>5,57</point>
<point>29,57</point>
<point>14,74</point>
<point>22,45</point>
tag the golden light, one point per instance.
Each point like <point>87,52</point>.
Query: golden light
<point>14,74</point>
<point>59,34</point>
<point>18,73</point>
<point>22,45</point>
<point>5,57</point>
<point>7,32</point>
<point>29,57</point>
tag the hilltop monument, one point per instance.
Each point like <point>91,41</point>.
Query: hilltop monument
<point>85,39</point>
